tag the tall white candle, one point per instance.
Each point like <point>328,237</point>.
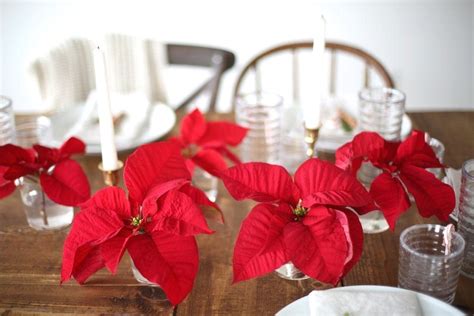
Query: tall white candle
<point>107,139</point>
<point>312,110</point>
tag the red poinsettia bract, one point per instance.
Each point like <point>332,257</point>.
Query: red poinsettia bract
<point>403,166</point>
<point>156,223</point>
<point>61,178</point>
<point>305,221</point>
<point>205,144</point>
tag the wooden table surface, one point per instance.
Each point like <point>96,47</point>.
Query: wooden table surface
<point>30,261</point>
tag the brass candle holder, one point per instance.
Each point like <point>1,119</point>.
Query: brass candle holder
<point>310,138</point>
<point>111,177</point>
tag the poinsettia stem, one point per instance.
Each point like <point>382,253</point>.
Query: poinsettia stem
<point>43,209</point>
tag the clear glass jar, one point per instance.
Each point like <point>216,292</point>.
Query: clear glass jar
<point>34,130</point>
<point>41,212</point>
<point>139,277</point>
<point>290,272</point>
<point>261,113</point>
<point>425,266</point>
<point>206,182</point>
<point>466,216</point>
<point>7,121</point>
<point>381,110</point>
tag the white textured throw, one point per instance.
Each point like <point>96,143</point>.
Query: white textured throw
<point>348,303</point>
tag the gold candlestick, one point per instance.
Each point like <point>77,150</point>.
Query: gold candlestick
<point>111,177</point>
<point>310,138</point>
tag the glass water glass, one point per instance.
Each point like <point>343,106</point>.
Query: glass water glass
<point>34,130</point>
<point>424,265</point>
<point>140,278</point>
<point>381,110</point>
<point>261,113</point>
<point>438,149</point>
<point>466,216</point>
<point>7,121</point>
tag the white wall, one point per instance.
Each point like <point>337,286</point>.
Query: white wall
<point>427,45</point>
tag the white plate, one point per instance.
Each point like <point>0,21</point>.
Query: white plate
<point>330,140</point>
<point>429,305</point>
<point>162,119</point>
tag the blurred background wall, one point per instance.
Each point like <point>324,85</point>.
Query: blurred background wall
<point>427,45</point>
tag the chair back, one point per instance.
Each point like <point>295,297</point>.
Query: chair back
<point>370,67</point>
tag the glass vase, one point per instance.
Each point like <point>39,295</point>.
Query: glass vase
<point>288,271</point>
<point>7,122</point>
<point>466,216</point>
<point>381,110</point>
<point>140,278</point>
<point>41,212</point>
<point>206,182</point>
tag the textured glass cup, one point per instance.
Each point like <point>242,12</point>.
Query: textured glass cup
<point>206,182</point>
<point>381,110</point>
<point>41,212</point>
<point>7,121</point>
<point>423,264</point>
<point>36,130</point>
<point>261,113</point>
<point>466,216</point>
<point>438,149</point>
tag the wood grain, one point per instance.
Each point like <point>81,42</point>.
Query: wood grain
<point>30,261</point>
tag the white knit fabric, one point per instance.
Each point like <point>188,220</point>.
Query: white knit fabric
<point>65,76</point>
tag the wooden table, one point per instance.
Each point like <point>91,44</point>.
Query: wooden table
<point>30,261</point>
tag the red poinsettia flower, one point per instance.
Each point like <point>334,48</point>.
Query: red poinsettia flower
<point>305,221</point>
<point>403,166</point>
<point>205,143</point>
<point>61,178</point>
<point>156,224</point>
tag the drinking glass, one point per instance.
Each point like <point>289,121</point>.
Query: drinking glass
<point>290,272</point>
<point>34,130</point>
<point>438,149</point>
<point>466,216</point>
<point>381,110</point>
<point>424,265</point>
<point>261,113</point>
<point>140,278</point>
<point>7,121</point>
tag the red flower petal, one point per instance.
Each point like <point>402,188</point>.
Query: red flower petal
<point>259,248</point>
<point>317,246</point>
<point>415,151</point>
<point>156,192</point>
<point>160,260</point>
<point>210,160</point>
<point>91,226</point>
<point>71,147</point>
<point>193,127</point>
<point>111,199</point>
<point>17,171</point>
<point>12,154</point>
<point>47,156</point>
<point>222,133</point>
<point>432,196</point>
<point>259,181</point>
<point>210,209</point>
<point>356,235</point>
<point>67,185</point>
<point>112,250</point>
<point>91,263</point>
<point>224,151</point>
<point>390,196</point>
<point>7,187</point>
<point>176,213</point>
<point>323,183</point>
<point>346,160</point>
<point>151,165</point>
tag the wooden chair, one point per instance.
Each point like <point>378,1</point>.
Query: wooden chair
<point>66,74</point>
<point>371,63</point>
